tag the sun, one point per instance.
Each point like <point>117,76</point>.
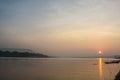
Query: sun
<point>100,52</point>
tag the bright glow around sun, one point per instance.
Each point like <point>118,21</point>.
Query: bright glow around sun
<point>100,52</point>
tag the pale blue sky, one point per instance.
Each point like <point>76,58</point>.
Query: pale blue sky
<point>61,27</point>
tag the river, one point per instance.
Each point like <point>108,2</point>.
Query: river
<point>57,69</point>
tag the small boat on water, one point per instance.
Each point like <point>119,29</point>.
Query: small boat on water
<point>112,62</point>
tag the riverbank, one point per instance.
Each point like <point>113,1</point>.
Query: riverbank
<point>117,77</point>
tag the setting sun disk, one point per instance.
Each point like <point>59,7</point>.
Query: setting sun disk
<point>100,52</point>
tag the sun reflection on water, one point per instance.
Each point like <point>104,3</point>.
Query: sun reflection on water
<point>100,69</point>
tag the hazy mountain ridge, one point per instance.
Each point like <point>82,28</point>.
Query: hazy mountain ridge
<point>16,49</point>
<point>7,52</point>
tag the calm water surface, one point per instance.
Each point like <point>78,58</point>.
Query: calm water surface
<point>57,69</point>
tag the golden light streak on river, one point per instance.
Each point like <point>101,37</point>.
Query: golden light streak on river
<point>100,69</point>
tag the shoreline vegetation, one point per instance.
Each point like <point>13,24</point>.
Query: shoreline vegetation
<point>22,54</point>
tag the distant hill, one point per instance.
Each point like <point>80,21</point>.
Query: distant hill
<point>16,49</point>
<point>22,53</point>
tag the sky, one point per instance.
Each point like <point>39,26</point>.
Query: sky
<point>61,27</point>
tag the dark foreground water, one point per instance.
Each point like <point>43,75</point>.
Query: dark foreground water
<point>57,69</point>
